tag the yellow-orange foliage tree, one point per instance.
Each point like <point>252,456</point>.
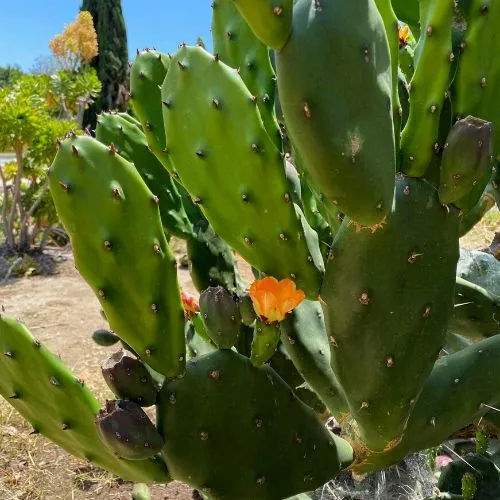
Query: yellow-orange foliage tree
<point>75,85</point>
<point>77,44</point>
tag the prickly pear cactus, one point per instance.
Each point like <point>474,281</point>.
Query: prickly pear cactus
<point>349,213</point>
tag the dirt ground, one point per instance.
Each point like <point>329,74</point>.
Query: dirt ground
<point>63,312</point>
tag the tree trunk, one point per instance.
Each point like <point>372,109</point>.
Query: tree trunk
<point>16,191</point>
<point>9,234</point>
<point>27,236</point>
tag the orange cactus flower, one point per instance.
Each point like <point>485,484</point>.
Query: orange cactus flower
<point>403,34</point>
<point>190,305</point>
<point>273,299</point>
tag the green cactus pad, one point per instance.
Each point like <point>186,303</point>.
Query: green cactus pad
<point>341,126</point>
<point>197,345</point>
<point>459,390</point>
<point>284,367</point>
<point>146,77</point>
<point>474,477</point>
<point>247,311</point>
<point>120,249</point>
<point>476,314</point>
<point>478,211</point>
<point>392,31</point>
<point>211,261</point>
<point>478,77</point>
<point>407,62</point>
<point>58,405</point>
<point>388,295</point>
<point>466,165</point>
<point>265,341</point>
<point>305,340</point>
<point>433,56</point>
<point>407,11</point>
<point>238,47</point>
<point>235,174</point>
<point>271,20</point>
<point>132,145</point>
<point>130,119</point>
<point>218,422</point>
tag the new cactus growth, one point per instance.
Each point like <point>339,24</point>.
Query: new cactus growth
<point>349,214</point>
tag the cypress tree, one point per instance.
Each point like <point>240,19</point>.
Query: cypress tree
<point>112,62</point>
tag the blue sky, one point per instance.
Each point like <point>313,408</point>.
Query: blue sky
<point>26,26</point>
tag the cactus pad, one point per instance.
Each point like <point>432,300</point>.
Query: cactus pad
<point>132,145</point>
<point>238,47</point>
<point>59,405</point>
<point>344,130</point>
<point>235,174</point>
<point>218,422</point>
<point>271,20</point>
<point>133,277</point>
<point>388,296</point>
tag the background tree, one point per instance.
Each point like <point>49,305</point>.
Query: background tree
<point>35,111</point>
<point>26,122</point>
<point>75,85</point>
<point>112,62</point>
<point>9,74</point>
